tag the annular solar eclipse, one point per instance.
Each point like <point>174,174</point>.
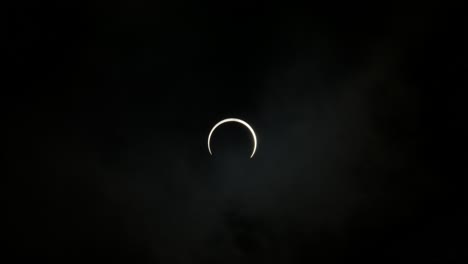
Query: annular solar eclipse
<point>254,137</point>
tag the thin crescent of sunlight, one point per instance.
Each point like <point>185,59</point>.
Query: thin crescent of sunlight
<point>238,121</point>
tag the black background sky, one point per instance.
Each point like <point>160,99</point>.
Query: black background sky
<point>108,106</point>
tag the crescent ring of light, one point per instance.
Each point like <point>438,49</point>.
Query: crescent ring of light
<point>238,121</point>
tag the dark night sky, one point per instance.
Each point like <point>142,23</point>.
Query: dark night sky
<point>108,106</point>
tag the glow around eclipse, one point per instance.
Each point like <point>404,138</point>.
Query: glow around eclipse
<point>238,121</point>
